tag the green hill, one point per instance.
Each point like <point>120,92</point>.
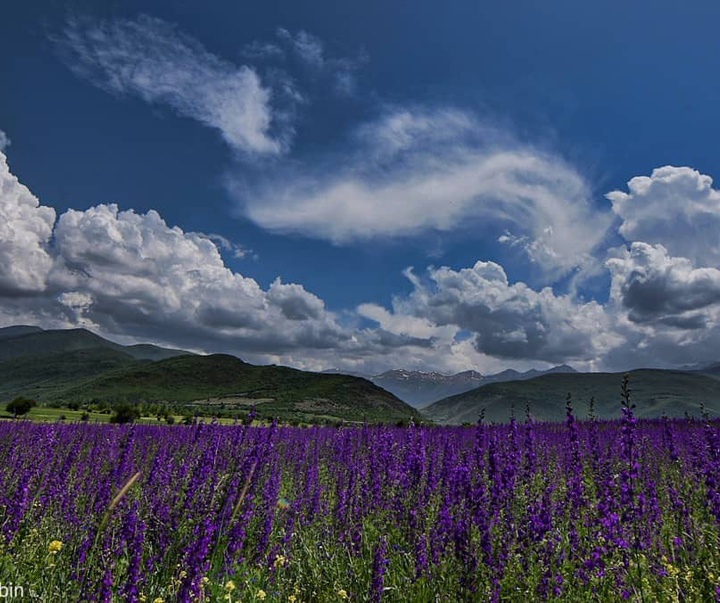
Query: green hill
<point>44,376</point>
<point>654,392</point>
<point>227,382</point>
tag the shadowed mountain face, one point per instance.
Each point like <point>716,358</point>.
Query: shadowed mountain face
<point>78,366</point>
<point>10,332</point>
<point>23,341</point>
<point>654,392</point>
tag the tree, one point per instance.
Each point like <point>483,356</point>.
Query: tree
<point>20,406</point>
<point>125,413</point>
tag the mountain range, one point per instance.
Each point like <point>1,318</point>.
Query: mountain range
<point>419,388</point>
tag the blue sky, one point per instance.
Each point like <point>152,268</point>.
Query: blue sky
<point>370,186</point>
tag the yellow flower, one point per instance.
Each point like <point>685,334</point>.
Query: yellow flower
<point>342,593</point>
<point>261,594</point>
<point>280,561</point>
<point>183,574</point>
<point>229,586</point>
<point>159,600</point>
<point>204,580</point>
<point>292,598</point>
<point>54,547</point>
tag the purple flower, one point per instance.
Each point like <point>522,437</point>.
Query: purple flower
<point>379,567</point>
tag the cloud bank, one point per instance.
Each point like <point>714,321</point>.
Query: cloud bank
<point>129,274</point>
<point>132,277</point>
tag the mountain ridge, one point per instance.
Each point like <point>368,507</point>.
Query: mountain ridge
<point>75,366</point>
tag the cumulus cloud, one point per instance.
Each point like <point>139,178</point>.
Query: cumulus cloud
<point>151,59</point>
<point>656,287</point>
<point>505,320</point>
<point>675,207</point>
<point>412,172</point>
<point>139,276</point>
<point>4,141</point>
<point>665,286</point>
<point>131,275</point>
<point>666,310</point>
<point>401,324</point>
<point>25,230</point>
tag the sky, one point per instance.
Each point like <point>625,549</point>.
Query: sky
<point>367,186</point>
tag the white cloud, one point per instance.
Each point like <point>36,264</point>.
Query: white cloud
<point>308,47</point>
<point>25,230</point>
<point>505,320</point>
<point>131,277</point>
<point>151,59</point>
<point>454,320</point>
<point>4,141</point>
<point>665,288</point>
<point>676,207</point>
<point>412,172</point>
<point>400,324</point>
<point>78,304</point>
<point>404,130</point>
<point>310,51</point>
<point>238,251</point>
<point>136,275</point>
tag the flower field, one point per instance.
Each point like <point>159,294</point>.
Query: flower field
<point>580,511</point>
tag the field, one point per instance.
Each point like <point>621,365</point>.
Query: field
<point>47,414</point>
<point>573,511</point>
